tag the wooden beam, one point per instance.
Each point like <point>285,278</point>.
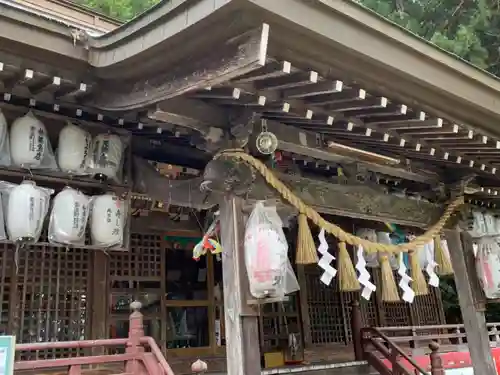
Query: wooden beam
<point>360,201</point>
<point>209,120</point>
<point>242,337</point>
<point>469,294</point>
<point>308,143</point>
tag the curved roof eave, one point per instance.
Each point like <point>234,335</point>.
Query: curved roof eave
<point>321,33</point>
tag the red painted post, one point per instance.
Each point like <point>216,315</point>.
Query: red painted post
<point>356,326</point>
<point>135,333</point>
<point>436,362</point>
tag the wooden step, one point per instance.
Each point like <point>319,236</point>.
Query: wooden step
<point>349,368</point>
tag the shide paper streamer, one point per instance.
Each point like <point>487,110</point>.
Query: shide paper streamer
<point>364,275</point>
<point>325,260</point>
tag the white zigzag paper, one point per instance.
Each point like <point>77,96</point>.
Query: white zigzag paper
<point>431,265</point>
<point>364,275</point>
<point>325,260</point>
<point>404,284</point>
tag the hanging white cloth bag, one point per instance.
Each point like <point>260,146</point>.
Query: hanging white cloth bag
<point>68,218</point>
<point>28,141</point>
<point>26,210</point>
<point>107,220</point>
<point>74,149</point>
<point>488,266</point>
<point>266,253</point>
<point>107,154</point>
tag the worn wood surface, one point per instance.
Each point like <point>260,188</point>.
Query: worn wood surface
<point>99,298</point>
<point>237,56</point>
<point>304,306</point>
<point>462,258</point>
<point>242,334</point>
<point>352,200</point>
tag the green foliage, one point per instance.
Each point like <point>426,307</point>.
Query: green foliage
<point>469,29</point>
<point>123,10</point>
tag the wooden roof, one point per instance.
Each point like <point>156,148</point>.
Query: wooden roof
<point>319,71</point>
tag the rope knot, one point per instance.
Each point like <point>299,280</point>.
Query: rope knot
<point>371,247</point>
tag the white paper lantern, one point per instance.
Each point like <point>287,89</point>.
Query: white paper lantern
<point>107,153</point>
<point>68,218</point>
<point>488,266</point>
<point>28,141</point>
<point>74,149</point>
<point>26,210</point>
<point>107,220</point>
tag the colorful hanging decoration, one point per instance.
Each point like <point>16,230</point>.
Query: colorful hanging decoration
<point>208,244</point>
<point>325,260</point>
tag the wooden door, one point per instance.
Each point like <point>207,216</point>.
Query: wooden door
<point>189,302</point>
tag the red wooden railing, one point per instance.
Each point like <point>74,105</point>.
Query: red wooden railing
<point>451,337</point>
<point>385,355</point>
<point>141,356</point>
<point>389,359</point>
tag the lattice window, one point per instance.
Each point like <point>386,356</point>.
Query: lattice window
<point>427,308</point>
<point>325,309</point>
<point>52,298</point>
<point>368,311</point>
<point>141,262</point>
<point>137,275</point>
<point>278,320</point>
<point>393,314</point>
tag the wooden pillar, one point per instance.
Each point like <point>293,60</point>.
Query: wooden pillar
<point>468,289</point>
<point>99,298</point>
<point>356,326</point>
<point>436,362</point>
<point>304,306</point>
<point>241,329</point>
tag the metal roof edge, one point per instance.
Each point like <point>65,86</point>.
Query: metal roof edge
<point>166,20</point>
<point>39,31</point>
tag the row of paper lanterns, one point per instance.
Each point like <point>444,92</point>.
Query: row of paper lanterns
<point>27,145</point>
<point>484,224</point>
<point>26,206</point>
